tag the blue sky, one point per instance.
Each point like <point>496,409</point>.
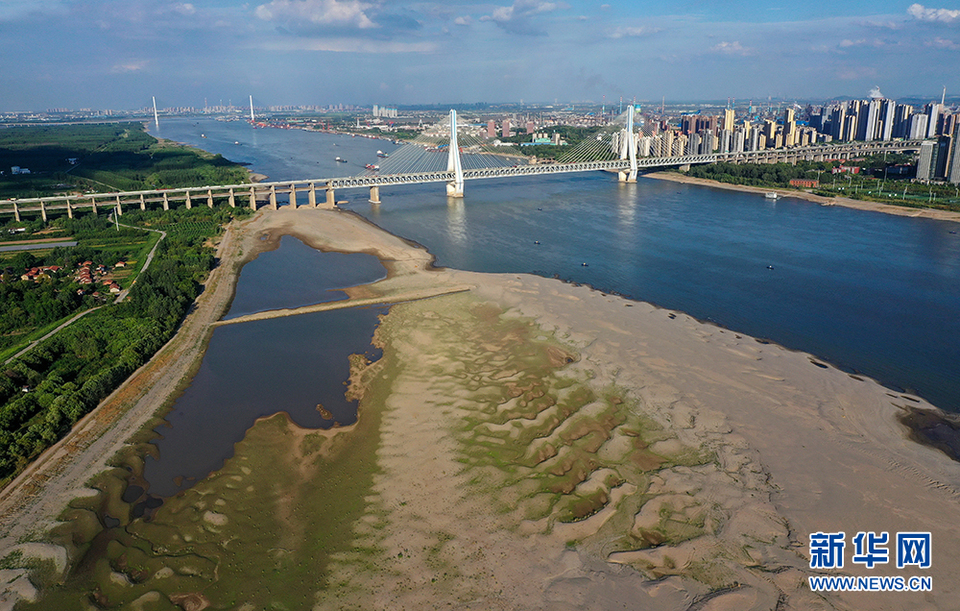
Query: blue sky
<point>118,53</point>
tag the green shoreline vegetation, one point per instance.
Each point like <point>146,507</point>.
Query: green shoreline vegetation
<point>103,157</point>
<point>874,182</point>
<point>49,388</point>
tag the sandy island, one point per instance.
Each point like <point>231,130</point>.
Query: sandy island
<point>532,445</point>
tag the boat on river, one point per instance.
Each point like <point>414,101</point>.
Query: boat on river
<point>771,195</point>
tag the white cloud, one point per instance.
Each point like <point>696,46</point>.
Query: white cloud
<point>14,9</point>
<point>467,20</point>
<point>634,32</point>
<point>862,42</point>
<point>731,48</point>
<point>942,43</point>
<point>185,8</point>
<point>341,13</point>
<point>943,15</point>
<point>132,66</point>
<point>515,18</point>
<point>346,45</point>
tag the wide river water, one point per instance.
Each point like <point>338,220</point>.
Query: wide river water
<point>869,292</point>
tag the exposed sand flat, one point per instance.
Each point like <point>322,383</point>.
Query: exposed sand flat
<point>846,202</point>
<point>543,445</point>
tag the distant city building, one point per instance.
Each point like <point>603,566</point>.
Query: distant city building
<point>728,119</point>
<point>491,129</point>
<point>387,113</point>
<point>925,163</point>
<point>953,173</point>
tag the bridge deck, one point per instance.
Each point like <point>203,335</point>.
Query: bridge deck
<point>269,190</point>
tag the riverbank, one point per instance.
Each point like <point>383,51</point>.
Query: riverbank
<point>546,445</point>
<point>857,204</point>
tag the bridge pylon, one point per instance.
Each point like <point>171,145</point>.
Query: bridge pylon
<point>628,148</point>
<point>454,188</point>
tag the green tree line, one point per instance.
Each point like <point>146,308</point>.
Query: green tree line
<point>45,392</point>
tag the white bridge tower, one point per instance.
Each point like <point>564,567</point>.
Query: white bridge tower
<point>628,147</point>
<point>454,188</point>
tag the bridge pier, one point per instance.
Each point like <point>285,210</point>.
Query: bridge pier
<point>331,199</point>
<point>685,167</point>
<point>293,196</point>
<point>209,198</point>
<point>233,199</point>
<point>273,197</point>
<point>166,201</point>
<point>312,196</point>
<point>119,207</point>
<point>189,203</point>
<point>143,202</point>
<point>43,212</point>
<point>375,194</point>
<point>69,210</point>
<point>93,204</point>
<point>16,211</point>
<point>253,198</point>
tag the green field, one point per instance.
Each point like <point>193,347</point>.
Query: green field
<point>103,157</point>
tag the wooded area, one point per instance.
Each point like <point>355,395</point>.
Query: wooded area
<point>103,157</point>
<point>45,392</point>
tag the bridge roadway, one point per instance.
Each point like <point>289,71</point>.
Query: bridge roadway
<point>267,192</point>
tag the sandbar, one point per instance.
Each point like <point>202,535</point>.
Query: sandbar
<point>545,445</point>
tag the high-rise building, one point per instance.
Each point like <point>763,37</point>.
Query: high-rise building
<point>901,121</point>
<point>933,111</point>
<point>950,124</point>
<point>728,118</point>
<point>887,120</point>
<point>869,121</point>
<point>726,140</point>
<point>693,144</point>
<point>769,132</point>
<point>708,142</point>
<point>838,119</point>
<point>953,172</point>
<point>941,157</point>
<point>925,162</point>
<point>531,128</point>
<point>505,128</point>
<point>491,129</point>
<point>918,127</point>
<point>739,141</point>
<point>850,127</point>
<point>668,139</point>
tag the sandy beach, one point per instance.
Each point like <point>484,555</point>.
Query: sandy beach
<point>857,204</point>
<point>528,444</point>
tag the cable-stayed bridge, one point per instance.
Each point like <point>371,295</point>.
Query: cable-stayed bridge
<point>453,154</point>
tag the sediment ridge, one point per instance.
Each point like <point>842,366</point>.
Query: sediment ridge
<point>537,445</point>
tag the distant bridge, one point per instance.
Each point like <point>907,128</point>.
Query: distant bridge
<point>321,192</point>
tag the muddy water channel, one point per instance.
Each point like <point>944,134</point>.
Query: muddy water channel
<point>296,364</point>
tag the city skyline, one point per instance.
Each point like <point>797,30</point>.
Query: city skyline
<point>84,54</point>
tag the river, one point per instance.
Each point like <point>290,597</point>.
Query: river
<point>868,292</point>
